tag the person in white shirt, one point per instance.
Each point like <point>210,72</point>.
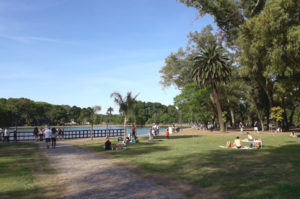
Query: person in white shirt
<point>47,134</point>
<point>6,135</point>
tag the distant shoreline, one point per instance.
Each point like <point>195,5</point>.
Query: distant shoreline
<point>97,125</point>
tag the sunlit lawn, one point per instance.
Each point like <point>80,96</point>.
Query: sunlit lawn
<point>271,172</point>
<point>25,173</point>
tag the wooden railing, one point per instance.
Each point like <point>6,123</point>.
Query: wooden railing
<point>69,134</point>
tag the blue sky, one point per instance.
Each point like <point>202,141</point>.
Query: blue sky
<point>78,52</point>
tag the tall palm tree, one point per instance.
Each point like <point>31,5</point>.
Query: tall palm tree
<point>92,117</point>
<point>126,105</point>
<point>210,68</point>
<point>108,112</point>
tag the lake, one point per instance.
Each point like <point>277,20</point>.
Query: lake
<point>139,130</point>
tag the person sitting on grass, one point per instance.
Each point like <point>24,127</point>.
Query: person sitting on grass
<point>107,145</point>
<point>250,138</point>
<point>293,134</point>
<point>237,143</point>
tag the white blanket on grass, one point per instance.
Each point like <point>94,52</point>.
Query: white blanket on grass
<point>243,147</point>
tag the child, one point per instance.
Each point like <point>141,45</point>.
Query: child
<point>167,134</point>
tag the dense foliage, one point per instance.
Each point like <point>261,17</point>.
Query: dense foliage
<point>262,41</point>
<point>27,112</point>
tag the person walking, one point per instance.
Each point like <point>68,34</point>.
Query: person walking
<point>53,137</point>
<point>36,133</point>
<point>41,134</point>
<point>47,134</point>
<point>6,135</point>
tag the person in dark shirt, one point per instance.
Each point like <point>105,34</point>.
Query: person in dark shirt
<point>107,145</point>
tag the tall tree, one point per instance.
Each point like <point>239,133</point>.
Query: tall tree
<point>125,104</point>
<point>210,68</point>
<point>109,113</point>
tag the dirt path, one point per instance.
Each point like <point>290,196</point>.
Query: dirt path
<point>90,175</point>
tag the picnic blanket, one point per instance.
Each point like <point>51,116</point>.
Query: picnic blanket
<point>242,148</point>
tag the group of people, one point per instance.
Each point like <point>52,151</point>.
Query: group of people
<point>153,131</point>
<point>39,133</point>
<point>238,142</point>
<point>50,136</point>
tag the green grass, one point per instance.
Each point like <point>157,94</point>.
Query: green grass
<point>271,172</point>
<point>25,173</point>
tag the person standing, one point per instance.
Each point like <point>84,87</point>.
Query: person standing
<point>241,125</point>
<point>168,134</point>
<point>133,130</point>
<point>15,135</point>
<point>41,134</point>
<point>6,135</point>
<point>47,134</point>
<point>150,134</point>
<point>35,133</point>
<point>255,126</point>
<point>53,137</point>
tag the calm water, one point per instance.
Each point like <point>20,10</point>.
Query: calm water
<point>140,131</point>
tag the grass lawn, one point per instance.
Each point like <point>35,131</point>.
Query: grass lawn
<point>25,173</point>
<point>194,157</point>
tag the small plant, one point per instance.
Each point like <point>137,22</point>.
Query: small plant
<point>276,114</point>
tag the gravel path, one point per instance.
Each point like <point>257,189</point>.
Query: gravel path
<point>90,175</point>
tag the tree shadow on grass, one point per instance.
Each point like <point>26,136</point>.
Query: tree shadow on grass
<point>172,137</point>
<point>269,173</point>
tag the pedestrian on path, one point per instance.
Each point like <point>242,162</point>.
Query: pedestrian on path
<point>41,134</point>
<point>47,134</point>
<point>53,137</point>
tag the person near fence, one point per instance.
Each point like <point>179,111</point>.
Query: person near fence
<point>60,133</point>
<point>15,135</point>
<point>36,133</point>
<point>6,135</point>
<point>41,134</point>
<point>53,137</point>
<point>47,134</point>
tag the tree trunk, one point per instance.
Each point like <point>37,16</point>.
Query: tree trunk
<point>257,111</point>
<point>92,131</point>
<point>291,117</point>
<point>232,118</point>
<point>219,109</point>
